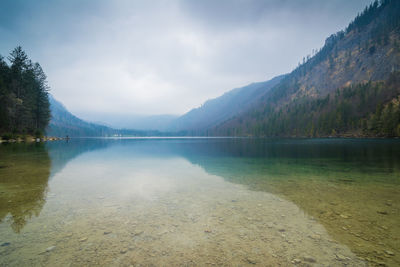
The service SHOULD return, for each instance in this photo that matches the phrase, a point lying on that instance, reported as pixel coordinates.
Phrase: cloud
(165, 57)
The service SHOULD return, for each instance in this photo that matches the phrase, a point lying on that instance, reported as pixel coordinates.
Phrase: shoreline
(31, 139)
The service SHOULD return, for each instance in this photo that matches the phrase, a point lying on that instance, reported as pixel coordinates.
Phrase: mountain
(217, 110)
(63, 123)
(138, 122)
(146, 122)
(350, 87)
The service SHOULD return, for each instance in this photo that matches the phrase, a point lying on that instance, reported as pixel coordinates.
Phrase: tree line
(24, 102)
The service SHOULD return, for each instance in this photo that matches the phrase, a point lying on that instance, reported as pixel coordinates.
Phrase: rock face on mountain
(351, 86)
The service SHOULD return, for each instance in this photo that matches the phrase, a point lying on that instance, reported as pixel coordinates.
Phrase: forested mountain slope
(63, 123)
(348, 87)
(219, 109)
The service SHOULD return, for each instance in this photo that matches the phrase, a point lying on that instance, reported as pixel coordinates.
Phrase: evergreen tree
(24, 99)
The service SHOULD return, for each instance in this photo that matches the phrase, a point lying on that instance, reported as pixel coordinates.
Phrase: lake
(200, 202)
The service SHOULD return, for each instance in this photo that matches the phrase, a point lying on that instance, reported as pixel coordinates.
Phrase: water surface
(200, 202)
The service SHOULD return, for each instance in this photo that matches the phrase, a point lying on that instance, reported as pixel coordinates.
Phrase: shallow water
(323, 202)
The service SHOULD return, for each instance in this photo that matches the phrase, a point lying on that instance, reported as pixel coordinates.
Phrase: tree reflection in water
(24, 175)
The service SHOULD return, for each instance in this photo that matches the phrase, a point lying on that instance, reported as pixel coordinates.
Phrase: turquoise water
(200, 202)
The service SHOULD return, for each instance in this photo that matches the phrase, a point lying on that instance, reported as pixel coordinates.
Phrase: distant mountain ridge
(217, 110)
(63, 123)
(138, 122)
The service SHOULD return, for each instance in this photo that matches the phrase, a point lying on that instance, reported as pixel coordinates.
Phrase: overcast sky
(164, 57)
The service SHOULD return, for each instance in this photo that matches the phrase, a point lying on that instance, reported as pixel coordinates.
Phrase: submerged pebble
(309, 259)
(251, 260)
(296, 261)
(340, 257)
(315, 236)
(50, 248)
(390, 253)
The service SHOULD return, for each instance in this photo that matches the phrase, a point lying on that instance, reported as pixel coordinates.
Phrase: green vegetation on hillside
(24, 103)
